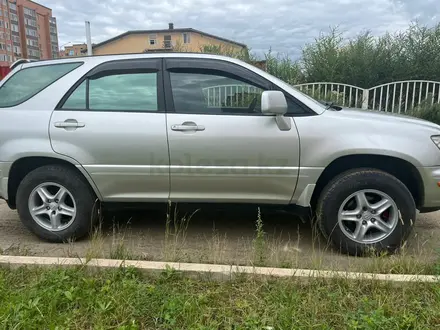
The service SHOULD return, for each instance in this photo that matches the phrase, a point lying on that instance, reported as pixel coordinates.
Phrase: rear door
(113, 123)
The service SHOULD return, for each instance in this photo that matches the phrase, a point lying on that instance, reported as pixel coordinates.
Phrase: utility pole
(89, 39)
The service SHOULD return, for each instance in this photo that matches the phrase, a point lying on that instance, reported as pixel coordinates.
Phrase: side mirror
(275, 103)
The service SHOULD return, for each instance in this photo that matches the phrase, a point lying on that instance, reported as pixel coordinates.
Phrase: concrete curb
(222, 271)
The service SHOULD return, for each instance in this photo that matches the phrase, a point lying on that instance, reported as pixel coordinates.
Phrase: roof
(39, 4)
(103, 58)
(183, 30)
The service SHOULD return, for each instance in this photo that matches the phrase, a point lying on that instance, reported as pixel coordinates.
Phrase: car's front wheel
(56, 203)
(366, 210)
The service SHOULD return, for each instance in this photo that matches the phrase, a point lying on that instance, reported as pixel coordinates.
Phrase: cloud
(282, 25)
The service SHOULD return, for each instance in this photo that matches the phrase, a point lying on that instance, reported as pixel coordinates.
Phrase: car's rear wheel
(366, 211)
(56, 203)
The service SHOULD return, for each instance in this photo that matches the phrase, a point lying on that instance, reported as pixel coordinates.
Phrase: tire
(332, 210)
(79, 197)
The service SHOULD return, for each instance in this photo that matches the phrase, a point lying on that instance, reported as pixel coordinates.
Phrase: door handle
(188, 127)
(69, 123)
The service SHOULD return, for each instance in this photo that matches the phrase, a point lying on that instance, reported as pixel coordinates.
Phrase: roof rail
(20, 61)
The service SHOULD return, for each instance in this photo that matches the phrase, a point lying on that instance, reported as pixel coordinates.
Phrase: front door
(222, 149)
(113, 124)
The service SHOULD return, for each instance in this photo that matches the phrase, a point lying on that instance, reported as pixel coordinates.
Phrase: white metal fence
(392, 97)
(237, 96)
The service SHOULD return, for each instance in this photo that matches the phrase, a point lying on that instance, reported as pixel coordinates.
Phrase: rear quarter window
(28, 82)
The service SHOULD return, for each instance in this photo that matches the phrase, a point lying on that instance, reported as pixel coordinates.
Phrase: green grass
(124, 299)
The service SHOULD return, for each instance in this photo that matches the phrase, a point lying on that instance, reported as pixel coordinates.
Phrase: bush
(427, 112)
(368, 61)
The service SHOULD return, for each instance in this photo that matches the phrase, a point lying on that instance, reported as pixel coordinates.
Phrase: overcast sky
(283, 25)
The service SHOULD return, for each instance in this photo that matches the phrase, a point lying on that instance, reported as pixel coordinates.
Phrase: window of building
(31, 22)
(2, 35)
(1, 23)
(120, 92)
(17, 50)
(7, 25)
(2, 46)
(53, 30)
(29, 12)
(10, 58)
(28, 82)
(71, 52)
(31, 32)
(12, 6)
(153, 39)
(5, 13)
(31, 42)
(8, 36)
(1, 12)
(16, 39)
(53, 38)
(3, 58)
(34, 53)
(167, 41)
(14, 27)
(186, 38)
(8, 47)
(4, 2)
(14, 17)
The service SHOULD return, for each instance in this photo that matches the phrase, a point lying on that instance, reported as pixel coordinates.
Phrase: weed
(176, 228)
(118, 249)
(96, 243)
(259, 242)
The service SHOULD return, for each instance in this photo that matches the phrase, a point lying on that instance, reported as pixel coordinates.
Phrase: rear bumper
(431, 177)
(4, 172)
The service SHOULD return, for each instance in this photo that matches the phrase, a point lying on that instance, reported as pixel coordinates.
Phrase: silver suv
(203, 128)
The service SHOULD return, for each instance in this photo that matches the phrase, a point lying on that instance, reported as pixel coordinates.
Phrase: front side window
(118, 92)
(28, 82)
(215, 93)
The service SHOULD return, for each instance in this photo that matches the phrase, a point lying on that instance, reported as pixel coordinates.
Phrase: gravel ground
(219, 236)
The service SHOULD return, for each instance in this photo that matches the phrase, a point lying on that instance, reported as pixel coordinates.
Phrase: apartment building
(27, 30)
(171, 39)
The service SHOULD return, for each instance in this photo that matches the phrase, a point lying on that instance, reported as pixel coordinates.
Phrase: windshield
(309, 97)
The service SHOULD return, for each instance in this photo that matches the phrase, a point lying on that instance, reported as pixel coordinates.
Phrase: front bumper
(4, 172)
(431, 177)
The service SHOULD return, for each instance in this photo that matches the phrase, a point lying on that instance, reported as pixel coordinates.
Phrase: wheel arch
(21, 167)
(403, 170)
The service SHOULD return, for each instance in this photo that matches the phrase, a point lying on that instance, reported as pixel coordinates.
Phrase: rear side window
(28, 82)
(116, 92)
(124, 92)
